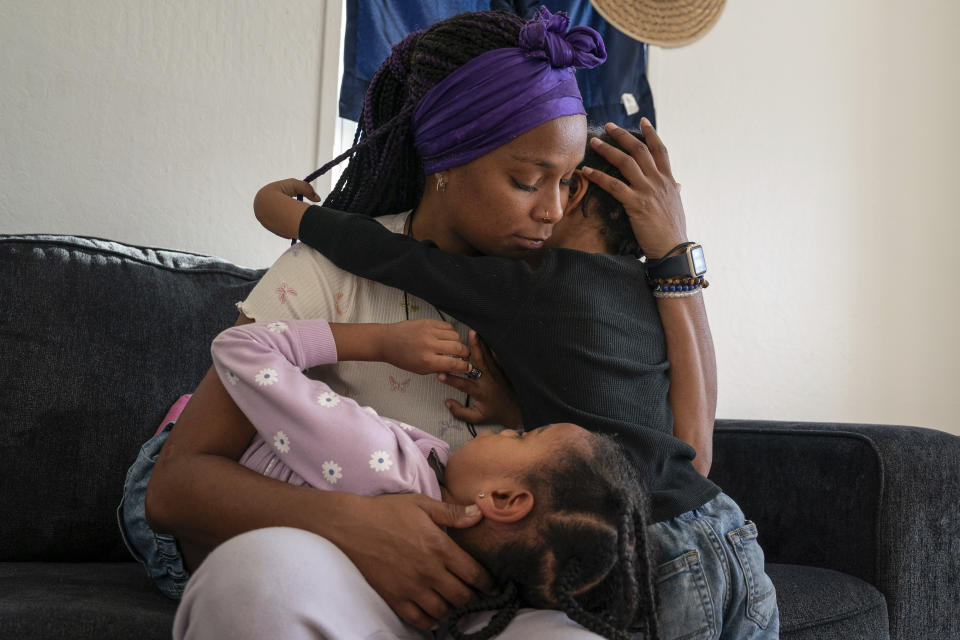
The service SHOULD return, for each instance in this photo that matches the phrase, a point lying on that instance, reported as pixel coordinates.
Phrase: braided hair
(617, 232)
(385, 174)
(590, 557)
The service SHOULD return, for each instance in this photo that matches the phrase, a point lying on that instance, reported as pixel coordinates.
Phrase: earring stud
(481, 495)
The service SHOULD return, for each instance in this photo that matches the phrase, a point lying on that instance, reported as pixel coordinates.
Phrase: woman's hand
(652, 197)
(397, 544)
(277, 211)
(492, 398)
(423, 346)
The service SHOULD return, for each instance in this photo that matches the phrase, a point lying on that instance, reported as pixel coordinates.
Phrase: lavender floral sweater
(306, 433)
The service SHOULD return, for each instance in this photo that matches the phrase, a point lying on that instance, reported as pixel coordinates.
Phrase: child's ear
(507, 505)
(578, 188)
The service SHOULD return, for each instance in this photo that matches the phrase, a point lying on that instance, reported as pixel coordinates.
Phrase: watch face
(699, 262)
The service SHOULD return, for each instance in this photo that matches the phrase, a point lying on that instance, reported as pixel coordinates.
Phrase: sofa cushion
(825, 516)
(89, 600)
(821, 604)
(97, 339)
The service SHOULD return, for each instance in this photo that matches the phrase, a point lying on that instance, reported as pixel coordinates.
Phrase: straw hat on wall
(667, 23)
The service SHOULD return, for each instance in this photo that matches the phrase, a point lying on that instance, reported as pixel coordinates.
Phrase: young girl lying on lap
(563, 511)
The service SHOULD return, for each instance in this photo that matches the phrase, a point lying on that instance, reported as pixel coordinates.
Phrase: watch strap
(681, 264)
(670, 267)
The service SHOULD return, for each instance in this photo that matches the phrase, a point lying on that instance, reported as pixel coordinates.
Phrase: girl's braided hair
(617, 232)
(590, 557)
(385, 174)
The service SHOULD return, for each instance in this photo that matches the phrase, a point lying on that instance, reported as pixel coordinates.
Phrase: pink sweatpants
(291, 584)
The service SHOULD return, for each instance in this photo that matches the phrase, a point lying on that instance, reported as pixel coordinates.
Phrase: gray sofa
(861, 523)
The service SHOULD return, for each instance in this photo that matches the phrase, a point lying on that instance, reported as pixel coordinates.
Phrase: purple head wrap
(503, 93)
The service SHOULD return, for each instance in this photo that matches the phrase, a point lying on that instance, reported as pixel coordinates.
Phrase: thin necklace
(408, 231)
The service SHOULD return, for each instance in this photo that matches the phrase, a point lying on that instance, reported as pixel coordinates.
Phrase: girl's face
(496, 460)
(506, 202)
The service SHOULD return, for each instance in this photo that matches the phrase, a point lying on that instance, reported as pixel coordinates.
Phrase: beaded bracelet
(677, 294)
(678, 284)
(677, 287)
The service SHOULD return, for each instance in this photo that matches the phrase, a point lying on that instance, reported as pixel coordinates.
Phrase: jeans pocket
(761, 595)
(685, 610)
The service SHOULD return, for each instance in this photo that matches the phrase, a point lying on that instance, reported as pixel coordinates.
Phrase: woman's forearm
(693, 374)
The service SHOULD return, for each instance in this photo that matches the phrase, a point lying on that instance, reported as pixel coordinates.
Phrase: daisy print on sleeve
(266, 377)
(277, 327)
(380, 461)
(328, 399)
(281, 442)
(332, 472)
(308, 440)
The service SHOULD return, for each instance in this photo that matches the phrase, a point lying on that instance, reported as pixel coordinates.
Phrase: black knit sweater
(578, 335)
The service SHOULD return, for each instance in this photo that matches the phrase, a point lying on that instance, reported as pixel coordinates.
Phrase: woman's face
(506, 202)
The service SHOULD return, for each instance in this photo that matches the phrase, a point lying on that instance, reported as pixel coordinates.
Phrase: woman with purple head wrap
(470, 137)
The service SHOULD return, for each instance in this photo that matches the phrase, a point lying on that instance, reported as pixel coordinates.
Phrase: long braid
(566, 586)
(506, 605)
(384, 174)
(647, 601)
(626, 543)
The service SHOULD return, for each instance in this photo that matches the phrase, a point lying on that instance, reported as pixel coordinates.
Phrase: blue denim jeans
(710, 577)
(157, 552)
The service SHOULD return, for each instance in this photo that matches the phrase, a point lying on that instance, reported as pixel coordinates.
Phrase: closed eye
(525, 187)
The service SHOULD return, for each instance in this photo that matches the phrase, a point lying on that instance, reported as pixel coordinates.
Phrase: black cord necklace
(408, 231)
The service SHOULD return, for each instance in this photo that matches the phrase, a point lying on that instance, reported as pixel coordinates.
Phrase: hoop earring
(441, 184)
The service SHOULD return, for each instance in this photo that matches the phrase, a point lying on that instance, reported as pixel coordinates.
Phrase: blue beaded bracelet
(677, 287)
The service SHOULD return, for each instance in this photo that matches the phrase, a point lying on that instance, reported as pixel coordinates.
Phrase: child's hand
(424, 346)
(277, 211)
(492, 399)
(652, 197)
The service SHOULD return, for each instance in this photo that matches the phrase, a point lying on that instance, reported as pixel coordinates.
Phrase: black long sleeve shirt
(578, 335)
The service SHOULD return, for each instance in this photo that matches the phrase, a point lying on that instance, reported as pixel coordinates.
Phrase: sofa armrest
(878, 502)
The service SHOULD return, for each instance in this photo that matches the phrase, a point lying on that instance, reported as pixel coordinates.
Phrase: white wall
(815, 141)
(817, 144)
(156, 122)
